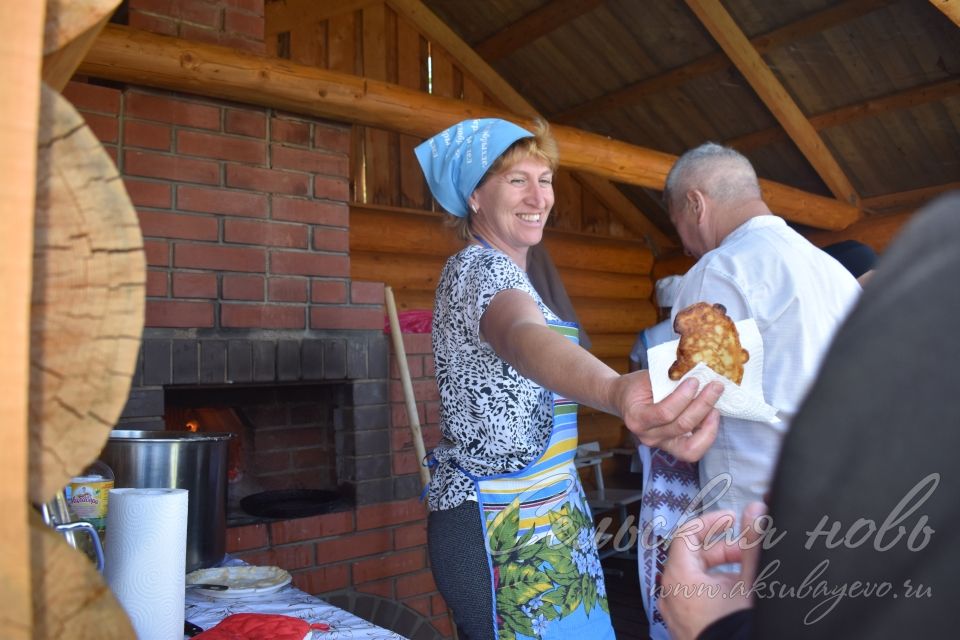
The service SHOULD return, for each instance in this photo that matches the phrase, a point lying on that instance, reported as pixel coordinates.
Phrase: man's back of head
(721, 173)
(710, 191)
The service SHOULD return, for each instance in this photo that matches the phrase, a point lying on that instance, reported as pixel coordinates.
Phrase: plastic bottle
(88, 498)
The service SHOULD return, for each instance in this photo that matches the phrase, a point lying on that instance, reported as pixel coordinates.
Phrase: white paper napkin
(738, 401)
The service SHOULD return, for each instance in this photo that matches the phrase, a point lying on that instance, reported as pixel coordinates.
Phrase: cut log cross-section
(70, 29)
(89, 281)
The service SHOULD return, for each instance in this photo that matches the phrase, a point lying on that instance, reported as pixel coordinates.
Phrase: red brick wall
(420, 364)
(246, 225)
(244, 211)
(231, 23)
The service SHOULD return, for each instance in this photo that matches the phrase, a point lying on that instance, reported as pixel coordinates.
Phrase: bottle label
(88, 498)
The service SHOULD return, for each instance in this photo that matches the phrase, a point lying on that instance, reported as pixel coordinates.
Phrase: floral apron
(541, 550)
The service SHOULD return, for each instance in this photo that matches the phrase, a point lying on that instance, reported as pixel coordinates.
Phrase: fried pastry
(708, 335)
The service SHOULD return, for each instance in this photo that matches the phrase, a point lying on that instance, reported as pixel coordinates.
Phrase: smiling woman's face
(512, 207)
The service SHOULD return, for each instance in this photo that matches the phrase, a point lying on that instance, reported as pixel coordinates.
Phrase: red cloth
(411, 321)
(261, 626)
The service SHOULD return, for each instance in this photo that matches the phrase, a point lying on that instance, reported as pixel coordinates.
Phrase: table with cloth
(206, 611)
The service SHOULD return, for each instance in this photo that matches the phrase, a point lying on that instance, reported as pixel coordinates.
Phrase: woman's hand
(684, 424)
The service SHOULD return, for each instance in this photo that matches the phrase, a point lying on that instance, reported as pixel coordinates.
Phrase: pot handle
(68, 529)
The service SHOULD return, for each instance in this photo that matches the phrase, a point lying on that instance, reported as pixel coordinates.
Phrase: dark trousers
(461, 569)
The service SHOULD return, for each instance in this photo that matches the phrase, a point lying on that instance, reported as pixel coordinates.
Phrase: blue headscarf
(454, 160)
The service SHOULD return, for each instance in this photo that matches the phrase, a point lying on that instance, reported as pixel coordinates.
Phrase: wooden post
(401, 354)
(20, 55)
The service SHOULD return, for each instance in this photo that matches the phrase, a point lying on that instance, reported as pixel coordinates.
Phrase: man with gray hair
(757, 267)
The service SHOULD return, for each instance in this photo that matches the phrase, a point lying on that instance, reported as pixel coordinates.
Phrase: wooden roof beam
(746, 58)
(129, 55)
(950, 8)
(535, 24)
(631, 94)
(924, 94)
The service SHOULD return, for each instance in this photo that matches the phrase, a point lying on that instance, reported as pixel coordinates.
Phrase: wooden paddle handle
(411, 402)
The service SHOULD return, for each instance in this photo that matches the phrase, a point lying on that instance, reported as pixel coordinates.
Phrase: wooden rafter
(535, 24)
(907, 200)
(950, 8)
(933, 92)
(746, 58)
(876, 231)
(820, 21)
(880, 229)
(131, 55)
(437, 31)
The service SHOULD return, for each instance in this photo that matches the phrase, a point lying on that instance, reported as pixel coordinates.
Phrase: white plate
(242, 581)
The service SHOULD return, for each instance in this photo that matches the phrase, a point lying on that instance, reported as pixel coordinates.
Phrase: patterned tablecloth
(206, 611)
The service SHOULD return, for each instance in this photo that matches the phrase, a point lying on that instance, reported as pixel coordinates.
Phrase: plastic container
(88, 499)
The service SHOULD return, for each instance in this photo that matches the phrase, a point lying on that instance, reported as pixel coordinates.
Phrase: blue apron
(539, 533)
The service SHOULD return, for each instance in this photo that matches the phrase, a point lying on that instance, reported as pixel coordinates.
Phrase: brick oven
(252, 315)
(250, 306)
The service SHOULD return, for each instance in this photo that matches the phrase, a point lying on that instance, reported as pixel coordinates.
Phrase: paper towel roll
(146, 557)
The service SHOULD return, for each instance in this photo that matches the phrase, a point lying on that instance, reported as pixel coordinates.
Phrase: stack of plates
(240, 581)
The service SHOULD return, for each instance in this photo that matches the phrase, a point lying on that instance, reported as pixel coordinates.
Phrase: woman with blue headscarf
(510, 535)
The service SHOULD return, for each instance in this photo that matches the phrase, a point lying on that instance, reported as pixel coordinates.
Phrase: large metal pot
(184, 460)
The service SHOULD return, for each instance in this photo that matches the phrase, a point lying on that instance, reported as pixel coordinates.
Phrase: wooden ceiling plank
(132, 55)
(820, 21)
(907, 99)
(736, 45)
(535, 24)
(950, 8)
(637, 91)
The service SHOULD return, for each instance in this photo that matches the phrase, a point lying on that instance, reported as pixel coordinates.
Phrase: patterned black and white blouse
(493, 420)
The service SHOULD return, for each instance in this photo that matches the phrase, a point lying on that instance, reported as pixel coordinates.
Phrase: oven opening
(282, 461)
